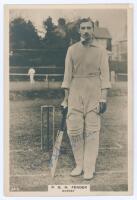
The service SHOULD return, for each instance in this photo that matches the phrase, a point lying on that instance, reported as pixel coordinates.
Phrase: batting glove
(102, 107)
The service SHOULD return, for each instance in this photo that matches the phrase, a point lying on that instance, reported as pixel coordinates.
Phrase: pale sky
(115, 20)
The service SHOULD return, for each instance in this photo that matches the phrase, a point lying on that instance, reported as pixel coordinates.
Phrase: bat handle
(64, 115)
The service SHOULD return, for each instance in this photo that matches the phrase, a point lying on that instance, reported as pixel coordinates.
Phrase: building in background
(102, 36)
(119, 51)
(119, 48)
(119, 56)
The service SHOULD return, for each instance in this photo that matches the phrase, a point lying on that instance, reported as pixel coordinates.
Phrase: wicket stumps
(46, 118)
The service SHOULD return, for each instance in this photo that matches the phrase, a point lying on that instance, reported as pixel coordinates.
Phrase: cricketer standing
(86, 82)
(31, 73)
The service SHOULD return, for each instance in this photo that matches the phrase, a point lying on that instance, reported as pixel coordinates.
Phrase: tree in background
(56, 36)
(45, 51)
(23, 35)
(61, 34)
(50, 50)
(49, 38)
(73, 33)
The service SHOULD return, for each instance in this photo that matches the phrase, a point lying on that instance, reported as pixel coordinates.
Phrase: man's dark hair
(86, 20)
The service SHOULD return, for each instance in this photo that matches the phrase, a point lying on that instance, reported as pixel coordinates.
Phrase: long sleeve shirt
(86, 62)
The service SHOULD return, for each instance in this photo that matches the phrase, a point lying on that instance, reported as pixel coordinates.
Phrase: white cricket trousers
(83, 131)
(32, 78)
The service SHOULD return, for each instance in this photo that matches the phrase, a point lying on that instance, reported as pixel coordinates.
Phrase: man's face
(86, 30)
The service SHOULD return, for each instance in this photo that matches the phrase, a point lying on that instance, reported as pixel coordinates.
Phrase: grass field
(29, 165)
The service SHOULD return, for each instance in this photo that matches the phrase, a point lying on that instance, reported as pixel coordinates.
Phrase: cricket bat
(58, 141)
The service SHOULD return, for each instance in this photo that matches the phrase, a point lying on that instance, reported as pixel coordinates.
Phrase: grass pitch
(29, 165)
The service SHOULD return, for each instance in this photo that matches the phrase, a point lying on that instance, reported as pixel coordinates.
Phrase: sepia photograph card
(50, 50)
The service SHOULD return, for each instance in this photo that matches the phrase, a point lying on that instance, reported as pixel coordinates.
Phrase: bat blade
(56, 152)
(58, 141)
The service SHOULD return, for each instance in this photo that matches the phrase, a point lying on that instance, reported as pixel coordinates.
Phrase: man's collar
(92, 44)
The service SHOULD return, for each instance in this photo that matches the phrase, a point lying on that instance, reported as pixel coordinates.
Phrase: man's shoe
(88, 176)
(76, 171)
